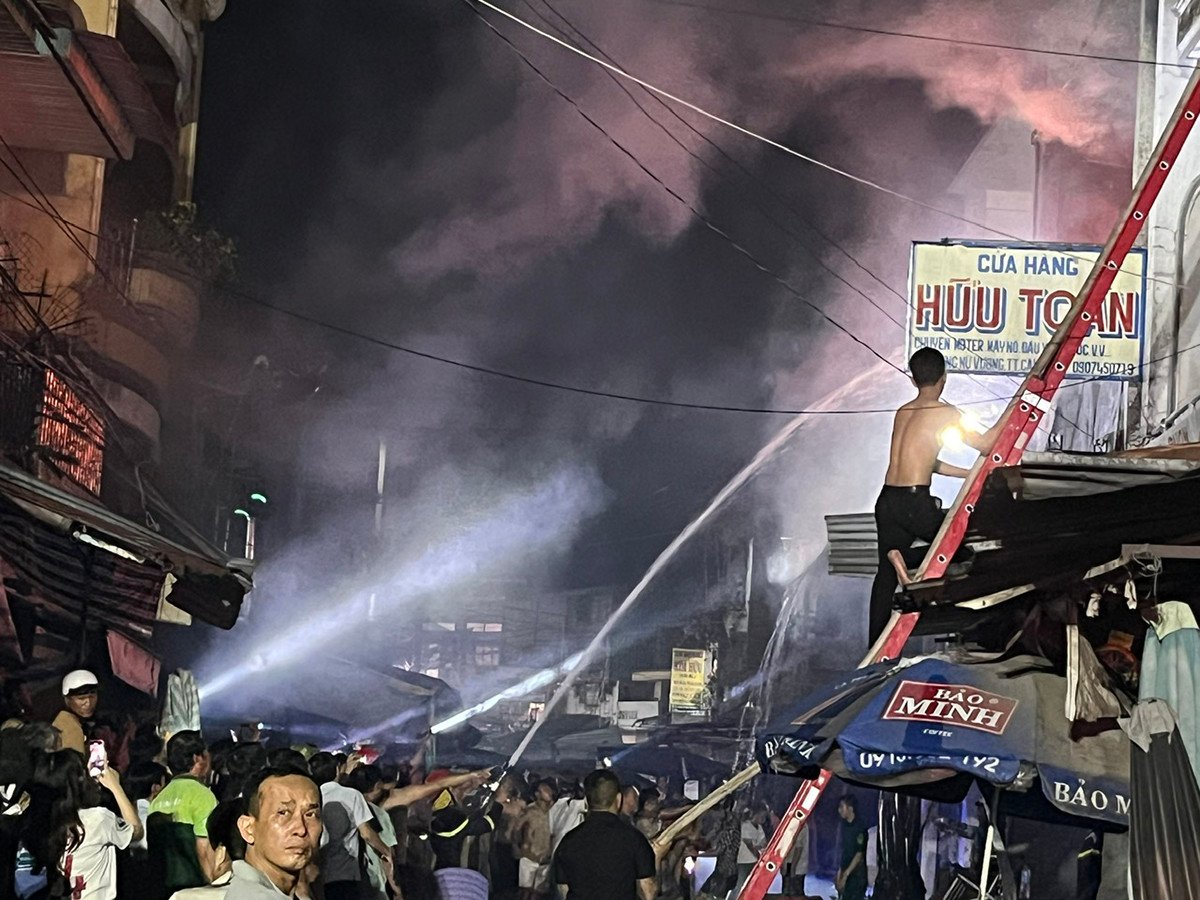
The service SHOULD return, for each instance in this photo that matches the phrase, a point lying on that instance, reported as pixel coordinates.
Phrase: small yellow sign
(689, 681)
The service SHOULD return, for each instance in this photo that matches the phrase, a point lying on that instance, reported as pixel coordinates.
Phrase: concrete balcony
(165, 295)
(134, 337)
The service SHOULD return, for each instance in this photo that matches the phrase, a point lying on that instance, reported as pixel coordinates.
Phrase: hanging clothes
(1171, 671)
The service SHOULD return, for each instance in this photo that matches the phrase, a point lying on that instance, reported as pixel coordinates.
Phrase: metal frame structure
(1017, 425)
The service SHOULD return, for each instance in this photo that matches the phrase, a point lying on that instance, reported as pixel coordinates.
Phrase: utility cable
(704, 219)
(485, 370)
(918, 36)
(690, 206)
(754, 179)
(40, 197)
(741, 129)
(766, 213)
(375, 340)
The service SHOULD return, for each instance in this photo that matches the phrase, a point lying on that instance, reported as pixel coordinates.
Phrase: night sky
(397, 169)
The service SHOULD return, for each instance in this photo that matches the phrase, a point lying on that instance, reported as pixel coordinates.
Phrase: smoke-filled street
(527, 449)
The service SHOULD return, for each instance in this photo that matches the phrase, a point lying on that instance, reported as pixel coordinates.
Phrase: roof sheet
(1048, 522)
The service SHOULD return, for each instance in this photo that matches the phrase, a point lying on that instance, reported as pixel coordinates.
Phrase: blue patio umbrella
(915, 723)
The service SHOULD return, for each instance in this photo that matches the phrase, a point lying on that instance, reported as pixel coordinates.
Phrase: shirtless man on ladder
(906, 511)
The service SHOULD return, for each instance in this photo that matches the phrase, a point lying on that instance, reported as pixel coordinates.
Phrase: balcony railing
(114, 258)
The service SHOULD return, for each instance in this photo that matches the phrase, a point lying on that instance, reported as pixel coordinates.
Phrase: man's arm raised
(972, 437)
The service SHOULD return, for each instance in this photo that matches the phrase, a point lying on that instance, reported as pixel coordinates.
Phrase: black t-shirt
(854, 841)
(603, 859)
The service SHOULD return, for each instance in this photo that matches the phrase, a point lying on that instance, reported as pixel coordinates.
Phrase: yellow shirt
(68, 726)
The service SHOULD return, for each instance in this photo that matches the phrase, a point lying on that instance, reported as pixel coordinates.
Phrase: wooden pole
(663, 842)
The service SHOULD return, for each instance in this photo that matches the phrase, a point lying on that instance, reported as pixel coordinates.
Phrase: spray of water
(518, 690)
(741, 478)
(530, 518)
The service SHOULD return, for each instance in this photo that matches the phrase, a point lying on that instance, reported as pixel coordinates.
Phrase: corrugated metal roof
(1044, 475)
(1047, 523)
(122, 78)
(1065, 519)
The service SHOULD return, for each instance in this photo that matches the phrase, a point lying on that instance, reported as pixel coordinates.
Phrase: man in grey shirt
(282, 829)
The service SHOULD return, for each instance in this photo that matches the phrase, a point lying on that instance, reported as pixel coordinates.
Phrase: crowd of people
(88, 813)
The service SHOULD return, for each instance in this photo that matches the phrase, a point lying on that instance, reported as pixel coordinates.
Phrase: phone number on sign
(1090, 367)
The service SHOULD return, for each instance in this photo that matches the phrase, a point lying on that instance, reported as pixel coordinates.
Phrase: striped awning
(68, 564)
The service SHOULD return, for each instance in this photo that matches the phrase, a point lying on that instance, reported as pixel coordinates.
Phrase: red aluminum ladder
(1020, 420)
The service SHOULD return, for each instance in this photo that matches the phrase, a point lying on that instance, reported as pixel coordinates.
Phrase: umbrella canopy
(587, 745)
(920, 721)
(651, 758)
(367, 703)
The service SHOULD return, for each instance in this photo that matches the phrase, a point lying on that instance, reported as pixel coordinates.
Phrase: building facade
(98, 118)
(1171, 406)
(101, 275)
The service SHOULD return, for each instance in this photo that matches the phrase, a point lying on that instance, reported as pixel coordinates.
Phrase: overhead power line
(918, 36)
(747, 174)
(375, 340)
(48, 209)
(750, 176)
(741, 129)
(701, 217)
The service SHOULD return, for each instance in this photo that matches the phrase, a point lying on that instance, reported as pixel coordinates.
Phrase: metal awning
(1046, 475)
(72, 560)
(1049, 525)
(1054, 520)
(70, 91)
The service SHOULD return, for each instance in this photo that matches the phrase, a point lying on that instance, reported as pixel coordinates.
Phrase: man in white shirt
(347, 820)
(567, 814)
(753, 841)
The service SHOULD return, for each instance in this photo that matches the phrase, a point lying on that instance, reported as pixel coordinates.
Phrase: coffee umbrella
(918, 724)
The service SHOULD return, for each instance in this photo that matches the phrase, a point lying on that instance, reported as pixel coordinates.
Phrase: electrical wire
(704, 219)
(766, 214)
(918, 36)
(41, 198)
(497, 373)
(26, 202)
(741, 129)
(67, 368)
(63, 223)
(261, 302)
(754, 179)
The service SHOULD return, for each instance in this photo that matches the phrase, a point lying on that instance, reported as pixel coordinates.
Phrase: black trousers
(902, 515)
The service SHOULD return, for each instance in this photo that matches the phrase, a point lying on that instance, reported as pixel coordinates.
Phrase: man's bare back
(916, 441)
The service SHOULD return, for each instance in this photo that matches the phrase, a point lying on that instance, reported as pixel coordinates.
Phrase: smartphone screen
(97, 758)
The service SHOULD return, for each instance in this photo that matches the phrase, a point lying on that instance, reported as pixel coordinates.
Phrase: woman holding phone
(70, 834)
